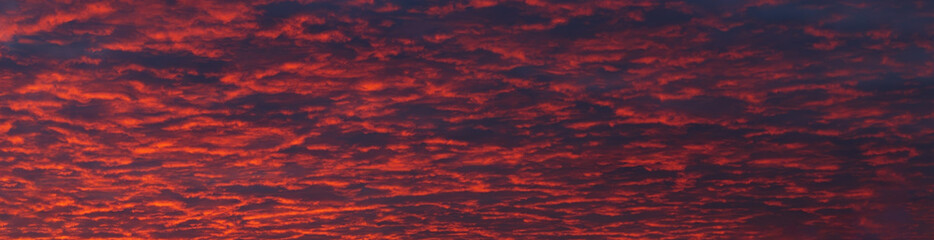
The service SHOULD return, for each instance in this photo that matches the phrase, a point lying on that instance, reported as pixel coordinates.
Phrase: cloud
(535, 119)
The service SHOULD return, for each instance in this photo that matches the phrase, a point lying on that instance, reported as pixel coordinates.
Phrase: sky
(466, 119)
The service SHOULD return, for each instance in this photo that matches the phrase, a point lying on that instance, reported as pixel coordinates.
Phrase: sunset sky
(466, 119)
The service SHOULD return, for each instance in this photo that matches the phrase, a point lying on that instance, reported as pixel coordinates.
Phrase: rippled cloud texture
(484, 119)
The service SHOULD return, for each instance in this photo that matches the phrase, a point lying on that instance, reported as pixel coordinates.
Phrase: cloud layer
(483, 119)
